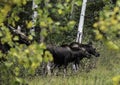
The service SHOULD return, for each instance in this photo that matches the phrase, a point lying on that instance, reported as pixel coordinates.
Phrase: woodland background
(22, 40)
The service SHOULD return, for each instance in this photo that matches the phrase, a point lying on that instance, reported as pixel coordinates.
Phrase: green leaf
(43, 24)
(16, 18)
(16, 71)
(112, 45)
(8, 64)
(1, 34)
(60, 11)
(16, 38)
(30, 24)
(57, 23)
(30, 37)
(44, 32)
(78, 3)
(24, 2)
(18, 80)
(60, 6)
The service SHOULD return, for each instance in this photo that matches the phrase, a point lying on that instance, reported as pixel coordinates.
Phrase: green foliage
(92, 12)
(107, 27)
(48, 57)
(21, 57)
(16, 22)
(116, 80)
(56, 22)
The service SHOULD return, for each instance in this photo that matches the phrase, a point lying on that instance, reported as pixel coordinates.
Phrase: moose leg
(65, 72)
(74, 68)
(65, 69)
(48, 68)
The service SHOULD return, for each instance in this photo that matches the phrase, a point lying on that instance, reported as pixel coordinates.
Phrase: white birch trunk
(34, 16)
(81, 22)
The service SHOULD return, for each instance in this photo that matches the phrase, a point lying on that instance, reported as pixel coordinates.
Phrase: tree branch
(18, 31)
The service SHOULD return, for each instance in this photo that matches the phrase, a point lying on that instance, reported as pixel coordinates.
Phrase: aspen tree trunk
(81, 22)
(34, 18)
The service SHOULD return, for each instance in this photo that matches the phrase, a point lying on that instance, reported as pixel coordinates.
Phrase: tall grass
(107, 66)
(95, 77)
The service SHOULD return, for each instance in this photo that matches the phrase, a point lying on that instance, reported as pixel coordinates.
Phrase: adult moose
(63, 55)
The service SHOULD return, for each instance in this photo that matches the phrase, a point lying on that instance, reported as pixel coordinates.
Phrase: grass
(94, 77)
(108, 66)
